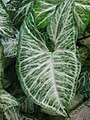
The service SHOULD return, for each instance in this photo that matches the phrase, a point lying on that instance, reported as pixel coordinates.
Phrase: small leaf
(6, 28)
(6, 101)
(82, 14)
(14, 114)
(83, 86)
(10, 45)
(27, 106)
(23, 7)
(47, 77)
(83, 52)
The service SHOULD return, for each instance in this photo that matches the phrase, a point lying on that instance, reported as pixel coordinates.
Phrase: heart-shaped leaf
(48, 77)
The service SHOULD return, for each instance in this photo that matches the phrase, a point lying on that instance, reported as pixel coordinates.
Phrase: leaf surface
(6, 101)
(47, 77)
(22, 9)
(82, 14)
(6, 28)
(14, 114)
(10, 45)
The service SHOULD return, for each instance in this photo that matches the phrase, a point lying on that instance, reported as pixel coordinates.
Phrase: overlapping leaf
(84, 53)
(6, 28)
(49, 77)
(82, 14)
(10, 45)
(84, 83)
(27, 106)
(14, 114)
(6, 101)
(22, 9)
(43, 11)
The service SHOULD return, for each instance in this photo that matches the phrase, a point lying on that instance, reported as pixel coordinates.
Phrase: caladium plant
(50, 69)
(48, 77)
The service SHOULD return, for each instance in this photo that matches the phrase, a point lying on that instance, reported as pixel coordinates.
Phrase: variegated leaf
(10, 45)
(6, 28)
(48, 77)
(27, 106)
(43, 11)
(1, 65)
(82, 14)
(14, 114)
(83, 86)
(22, 9)
(6, 101)
(84, 53)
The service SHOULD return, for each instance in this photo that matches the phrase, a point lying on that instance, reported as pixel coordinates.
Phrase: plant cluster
(44, 59)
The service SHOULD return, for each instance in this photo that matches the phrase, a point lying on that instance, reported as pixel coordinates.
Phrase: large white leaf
(48, 78)
(6, 28)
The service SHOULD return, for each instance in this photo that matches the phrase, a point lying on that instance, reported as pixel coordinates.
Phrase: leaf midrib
(53, 77)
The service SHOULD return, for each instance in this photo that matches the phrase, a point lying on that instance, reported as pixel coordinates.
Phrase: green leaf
(6, 101)
(43, 11)
(84, 53)
(82, 14)
(83, 86)
(14, 114)
(48, 78)
(6, 28)
(10, 45)
(27, 106)
(21, 11)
